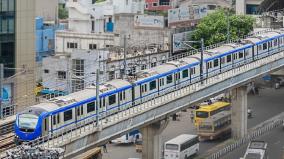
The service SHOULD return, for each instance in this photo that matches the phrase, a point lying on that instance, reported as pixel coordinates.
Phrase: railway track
(7, 142)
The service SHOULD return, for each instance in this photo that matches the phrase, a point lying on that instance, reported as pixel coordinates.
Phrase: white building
(75, 71)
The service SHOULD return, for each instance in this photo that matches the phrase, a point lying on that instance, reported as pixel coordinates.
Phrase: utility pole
(201, 60)
(124, 60)
(97, 96)
(1, 88)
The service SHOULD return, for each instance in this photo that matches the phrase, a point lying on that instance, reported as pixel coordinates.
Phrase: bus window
(171, 147)
(202, 114)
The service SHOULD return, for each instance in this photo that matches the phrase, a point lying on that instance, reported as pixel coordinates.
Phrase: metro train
(65, 112)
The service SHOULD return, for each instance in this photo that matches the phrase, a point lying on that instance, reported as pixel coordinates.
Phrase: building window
(146, 5)
(153, 85)
(91, 107)
(71, 45)
(61, 75)
(153, 64)
(143, 67)
(92, 46)
(77, 85)
(68, 115)
(78, 67)
(46, 71)
(93, 1)
(93, 26)
(155, 4)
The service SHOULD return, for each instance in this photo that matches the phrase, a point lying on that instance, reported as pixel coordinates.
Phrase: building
(247, 6)
(75, 71)
(102, 25)
(45, 37)
(159, 5)
(17, 50)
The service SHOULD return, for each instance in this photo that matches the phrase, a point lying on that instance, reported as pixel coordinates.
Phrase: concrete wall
(83, 40)
(47, 9)
(25, 53)
(139, 36)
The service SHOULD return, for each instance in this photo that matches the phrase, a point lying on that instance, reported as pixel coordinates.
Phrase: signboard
(178, 15)
(6, 93)
(178, 38)
(149, 21)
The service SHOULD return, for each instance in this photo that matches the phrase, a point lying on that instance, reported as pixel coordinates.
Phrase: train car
(216, 126)
(65, 112)
(117, 95)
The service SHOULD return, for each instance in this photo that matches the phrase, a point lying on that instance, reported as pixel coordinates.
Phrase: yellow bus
(209, 110)
(216, 126)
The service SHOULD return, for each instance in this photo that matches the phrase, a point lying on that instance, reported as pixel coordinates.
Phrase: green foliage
(213, 28)
(62, 12)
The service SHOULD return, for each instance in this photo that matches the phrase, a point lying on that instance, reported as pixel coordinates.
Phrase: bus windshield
(172, 147)
(202, 114)
(28, 121)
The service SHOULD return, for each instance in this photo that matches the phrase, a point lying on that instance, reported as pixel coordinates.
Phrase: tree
(62, 12)
(213, 28)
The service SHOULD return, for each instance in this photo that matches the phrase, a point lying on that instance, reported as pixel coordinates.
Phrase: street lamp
(201, 42)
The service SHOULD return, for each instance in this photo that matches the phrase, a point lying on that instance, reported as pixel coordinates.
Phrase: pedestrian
(175, 117)
(191, 116)
(105, 148)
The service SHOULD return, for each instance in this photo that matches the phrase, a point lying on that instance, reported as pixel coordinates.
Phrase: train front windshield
(27, 122)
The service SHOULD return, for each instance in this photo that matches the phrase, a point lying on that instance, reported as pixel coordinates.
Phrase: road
(264, 106)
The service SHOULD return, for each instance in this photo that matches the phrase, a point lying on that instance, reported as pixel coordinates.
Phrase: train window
(169, 79)
(235, 56)
(153, 85)
(185, 73)
(104, 102)
(123, 95)
(177, 76)
(112, 99)
(82, 110)
(216, 62)
(209, 65)
(120, 96)
(91, 107)
(229, 58)
(241, 55)
(68, 115)
(264, 46)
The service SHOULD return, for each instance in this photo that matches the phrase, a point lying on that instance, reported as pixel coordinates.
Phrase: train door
(45, 126)
(177, 79)
(55, 120)
(79, 113)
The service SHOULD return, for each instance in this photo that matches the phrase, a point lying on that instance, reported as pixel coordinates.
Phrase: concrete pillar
(239, 112)
(240, 7)
(152, 143)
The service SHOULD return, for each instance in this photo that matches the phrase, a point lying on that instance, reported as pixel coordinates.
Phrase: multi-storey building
(247, 6)
(17, 50)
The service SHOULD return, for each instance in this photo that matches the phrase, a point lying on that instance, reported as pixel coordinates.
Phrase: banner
(149, 21)
(6, 93)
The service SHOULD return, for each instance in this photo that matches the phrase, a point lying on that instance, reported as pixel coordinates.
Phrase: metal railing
(61, 137)
(7, 110)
